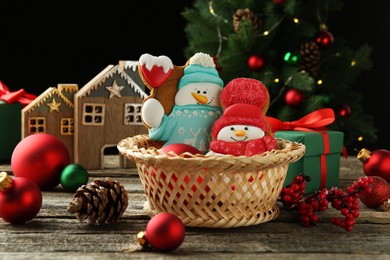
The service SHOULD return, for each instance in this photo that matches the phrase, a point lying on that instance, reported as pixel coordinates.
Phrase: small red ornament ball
(325, 39)
(20, 199)
(375, 163)
(294, 97)
(217, 66)
(256, 62)
(377, 195)
(278, 2)
(165, 232)
(344, 110)
(179, 149)
(40, 158)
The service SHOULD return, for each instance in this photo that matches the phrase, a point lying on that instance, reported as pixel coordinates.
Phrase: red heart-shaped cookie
(156, 70)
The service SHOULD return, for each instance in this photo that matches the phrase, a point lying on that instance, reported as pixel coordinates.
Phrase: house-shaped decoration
(93, 119)
(108, 109)
(52, 113)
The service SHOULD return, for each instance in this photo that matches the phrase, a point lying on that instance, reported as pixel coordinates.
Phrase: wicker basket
(212, 191)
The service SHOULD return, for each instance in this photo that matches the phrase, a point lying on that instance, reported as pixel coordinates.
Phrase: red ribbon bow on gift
(20, 95)
(314, 121)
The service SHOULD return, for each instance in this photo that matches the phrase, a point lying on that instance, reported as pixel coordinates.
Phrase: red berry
(287, 198)
(348, 228)
(350, 190)
(314, 219)
(298, 178)
(335, 221)
(295, 187)
(344, 211)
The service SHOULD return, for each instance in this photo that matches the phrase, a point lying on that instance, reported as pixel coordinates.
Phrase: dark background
(43, 44)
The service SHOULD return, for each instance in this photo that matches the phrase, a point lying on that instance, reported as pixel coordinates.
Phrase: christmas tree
(288, 46)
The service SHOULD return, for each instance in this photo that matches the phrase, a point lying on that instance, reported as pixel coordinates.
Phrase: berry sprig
(292, 196)
(293, 193)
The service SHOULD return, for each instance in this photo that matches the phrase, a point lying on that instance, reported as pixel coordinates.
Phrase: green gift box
(321, 160)
(10, 129)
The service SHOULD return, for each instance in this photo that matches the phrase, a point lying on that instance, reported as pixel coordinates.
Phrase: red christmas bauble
(294, 97)
(217, 66)
(375, 163)
(325, 39)
(344, 110)
(20, 199)
(41, 158)
(378, 194)
(179, 149)
(165, 232)
(256, 62)
(278, 2)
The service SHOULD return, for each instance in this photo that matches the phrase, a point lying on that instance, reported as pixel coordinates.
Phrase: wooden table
(56, 234)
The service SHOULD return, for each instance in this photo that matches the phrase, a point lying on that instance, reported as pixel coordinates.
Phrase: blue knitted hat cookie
(201, 68)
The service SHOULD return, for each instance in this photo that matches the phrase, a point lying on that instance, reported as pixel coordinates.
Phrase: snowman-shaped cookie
(196, 107)
(242, 128)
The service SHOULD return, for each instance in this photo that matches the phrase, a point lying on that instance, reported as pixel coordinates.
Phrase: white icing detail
(178, 113)
(152, 112)
(192, 141)
(227, 133)
(202, 59)
(162, 61)
(134, 85)
(131, 64)
(180, 131)
(211, 90)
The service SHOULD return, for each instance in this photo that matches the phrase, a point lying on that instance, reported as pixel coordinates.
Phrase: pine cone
(310, 58)
(102, 201)
(241, 14)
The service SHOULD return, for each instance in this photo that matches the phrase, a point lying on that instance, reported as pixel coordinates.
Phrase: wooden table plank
(56, 234)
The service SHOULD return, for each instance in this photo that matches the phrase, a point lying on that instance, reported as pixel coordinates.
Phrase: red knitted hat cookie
(244, 90)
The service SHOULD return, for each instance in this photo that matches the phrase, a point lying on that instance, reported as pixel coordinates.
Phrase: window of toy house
(67, 126)
(93, 114)
(133, 114)
(36, 125)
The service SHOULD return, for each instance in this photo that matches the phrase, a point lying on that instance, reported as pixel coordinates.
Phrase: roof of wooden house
(127, 70)
(64, 91)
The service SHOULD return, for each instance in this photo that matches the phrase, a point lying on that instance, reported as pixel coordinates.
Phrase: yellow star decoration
(115, 90)
(54, 105)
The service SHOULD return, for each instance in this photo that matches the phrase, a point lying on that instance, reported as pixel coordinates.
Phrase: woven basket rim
(140, 148)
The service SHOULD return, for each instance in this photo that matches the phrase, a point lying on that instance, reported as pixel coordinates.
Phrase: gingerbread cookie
(196, 104)
(242, 128)
(161, 77)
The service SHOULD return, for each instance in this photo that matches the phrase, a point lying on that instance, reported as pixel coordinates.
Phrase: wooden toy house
(52, 112)
(107, 110)
(92, 120)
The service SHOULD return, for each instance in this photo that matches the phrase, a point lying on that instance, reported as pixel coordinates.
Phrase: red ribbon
(325, 138)
(315, 121)
(20, 95)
